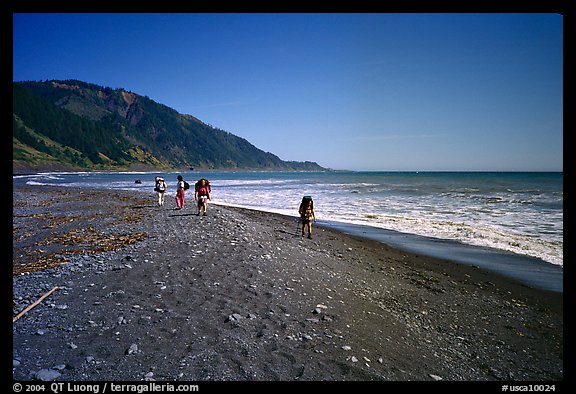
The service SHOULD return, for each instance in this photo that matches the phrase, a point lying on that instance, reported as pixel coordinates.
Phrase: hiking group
(202, 192)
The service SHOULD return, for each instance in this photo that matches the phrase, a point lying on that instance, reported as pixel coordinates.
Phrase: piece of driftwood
(35, 303)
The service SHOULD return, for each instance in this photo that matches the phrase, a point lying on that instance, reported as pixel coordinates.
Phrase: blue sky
(349, 91)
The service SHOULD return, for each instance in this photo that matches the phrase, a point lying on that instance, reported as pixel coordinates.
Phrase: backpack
(157, 187)
(305, 212)
(186, 185)
(207, 186)
(160, 186)
(307, 199)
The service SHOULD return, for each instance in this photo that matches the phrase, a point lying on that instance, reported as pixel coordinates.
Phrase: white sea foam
(498, 219)
(487, 236)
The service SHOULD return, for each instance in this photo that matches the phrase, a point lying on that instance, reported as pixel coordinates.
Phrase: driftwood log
(35, 303)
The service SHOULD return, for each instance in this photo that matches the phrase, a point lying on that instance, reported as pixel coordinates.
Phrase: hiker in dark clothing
(306, 212)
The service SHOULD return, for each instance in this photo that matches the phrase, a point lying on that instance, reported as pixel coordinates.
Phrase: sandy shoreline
(150, 293)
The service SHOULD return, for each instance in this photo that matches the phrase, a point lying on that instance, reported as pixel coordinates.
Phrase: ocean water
(512, 212)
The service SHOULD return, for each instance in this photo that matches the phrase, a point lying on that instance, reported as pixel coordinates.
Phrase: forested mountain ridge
(75, 125)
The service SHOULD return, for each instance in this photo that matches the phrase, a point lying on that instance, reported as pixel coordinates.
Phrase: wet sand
(152, 293)
(530, 271)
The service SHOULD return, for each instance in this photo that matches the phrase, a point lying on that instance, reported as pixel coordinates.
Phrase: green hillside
(74, 125)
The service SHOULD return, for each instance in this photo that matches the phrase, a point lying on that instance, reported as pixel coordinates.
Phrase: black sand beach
(151, 293)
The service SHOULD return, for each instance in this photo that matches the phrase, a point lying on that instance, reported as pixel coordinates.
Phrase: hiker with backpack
(306, 211)
(182, 185)
(160, 188)
(202, 195)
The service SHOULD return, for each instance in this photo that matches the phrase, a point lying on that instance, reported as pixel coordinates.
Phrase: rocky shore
(152, 293)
